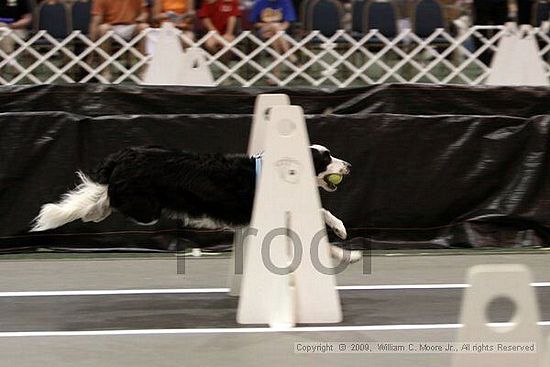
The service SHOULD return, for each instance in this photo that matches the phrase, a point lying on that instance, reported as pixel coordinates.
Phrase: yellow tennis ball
(334, 178)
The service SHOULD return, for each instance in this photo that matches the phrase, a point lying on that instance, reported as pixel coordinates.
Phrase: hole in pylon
(500, 310)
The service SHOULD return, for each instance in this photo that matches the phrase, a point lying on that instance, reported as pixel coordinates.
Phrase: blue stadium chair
(53, 18)
(381, 15)
(357, 9)
(325, 16)
(427, 16)
(541, 12)
(81, 15)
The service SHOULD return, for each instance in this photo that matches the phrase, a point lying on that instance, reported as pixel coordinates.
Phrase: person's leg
(102, 30)
(284, 46)
(9, 45)
(211, 44)
(105, 46)
(136, 30)
(22, 34)
(6, 43)
(278, 47)
(188, 38)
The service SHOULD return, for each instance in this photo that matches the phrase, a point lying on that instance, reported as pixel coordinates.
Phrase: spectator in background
(179, 12)
(220, 16)
(270, 17)
(126, 18)
(15, 15)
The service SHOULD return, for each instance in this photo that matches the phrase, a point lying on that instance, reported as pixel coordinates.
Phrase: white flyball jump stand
(171, 65)
(487, 283)
(517, 61)
(286, 202)
(262, 109)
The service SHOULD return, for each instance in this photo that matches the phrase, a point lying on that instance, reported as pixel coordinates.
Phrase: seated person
(220, 16)
(179, 12)
(126, 18)
(270, 17)
(15, 15)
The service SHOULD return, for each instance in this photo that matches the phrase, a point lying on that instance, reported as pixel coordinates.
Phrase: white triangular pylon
(517, 61)
(487, 283)
(262, 108)
(196, 71)
(287, 206)
(171, 65)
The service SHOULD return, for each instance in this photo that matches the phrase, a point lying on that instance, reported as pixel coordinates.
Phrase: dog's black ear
(314, 152)
(317, 161)
(321, 159)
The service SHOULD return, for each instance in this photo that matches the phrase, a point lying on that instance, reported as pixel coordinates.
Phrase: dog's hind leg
(143, 209)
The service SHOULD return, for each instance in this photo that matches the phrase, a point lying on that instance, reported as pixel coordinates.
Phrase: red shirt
(219, 11)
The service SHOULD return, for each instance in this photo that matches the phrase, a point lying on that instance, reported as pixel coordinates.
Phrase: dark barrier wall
(421, 179)
(411, 99)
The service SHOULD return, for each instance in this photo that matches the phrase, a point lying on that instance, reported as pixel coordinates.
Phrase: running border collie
(205, 190)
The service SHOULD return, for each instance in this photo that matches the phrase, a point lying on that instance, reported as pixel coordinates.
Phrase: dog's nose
(347, 167)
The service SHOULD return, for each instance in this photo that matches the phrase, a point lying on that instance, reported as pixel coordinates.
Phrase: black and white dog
(205, 190)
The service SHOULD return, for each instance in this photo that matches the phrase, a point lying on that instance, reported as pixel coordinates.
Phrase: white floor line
(17, 334)
(108, 292)
(227, 330)
(400, 287)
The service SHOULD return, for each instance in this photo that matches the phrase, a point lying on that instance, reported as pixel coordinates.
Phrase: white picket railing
(340, 60)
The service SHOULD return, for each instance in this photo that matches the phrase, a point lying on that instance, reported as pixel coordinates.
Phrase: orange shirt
(118, 11)
(177, 6)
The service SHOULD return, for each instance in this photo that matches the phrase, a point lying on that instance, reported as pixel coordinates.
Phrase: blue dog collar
(258, 161)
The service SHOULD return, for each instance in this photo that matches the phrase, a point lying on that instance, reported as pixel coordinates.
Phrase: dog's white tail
(89, 201)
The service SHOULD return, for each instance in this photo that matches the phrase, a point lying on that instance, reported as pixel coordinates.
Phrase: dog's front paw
(340, 230)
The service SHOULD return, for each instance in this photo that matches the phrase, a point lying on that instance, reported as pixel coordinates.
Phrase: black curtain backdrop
(433, 166)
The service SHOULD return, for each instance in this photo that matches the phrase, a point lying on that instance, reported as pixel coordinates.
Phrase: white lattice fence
(340, 60)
